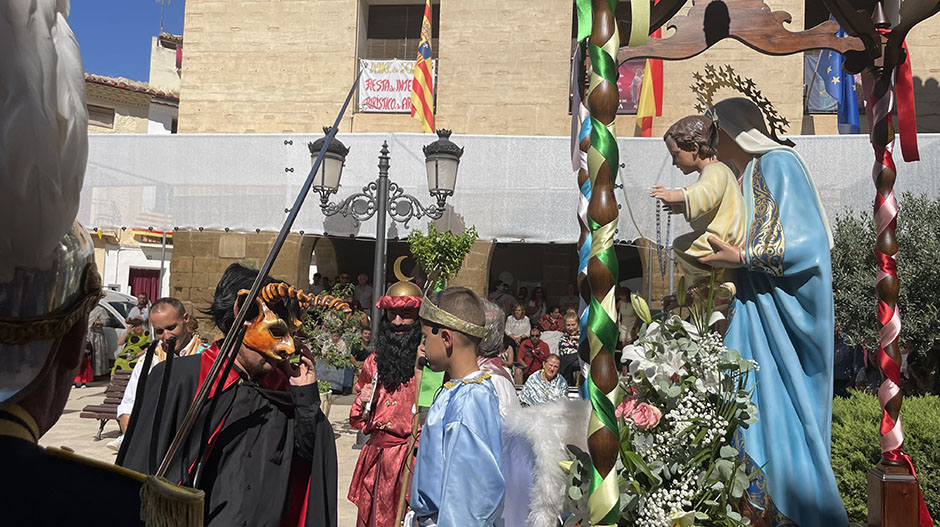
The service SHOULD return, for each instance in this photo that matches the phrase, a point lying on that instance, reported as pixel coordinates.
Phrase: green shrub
(855, 447)
(853, 287)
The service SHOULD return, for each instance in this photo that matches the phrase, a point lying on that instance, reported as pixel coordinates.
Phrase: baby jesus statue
(713, 205)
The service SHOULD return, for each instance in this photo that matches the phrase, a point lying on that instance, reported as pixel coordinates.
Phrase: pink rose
(646, 416)
(626, 407)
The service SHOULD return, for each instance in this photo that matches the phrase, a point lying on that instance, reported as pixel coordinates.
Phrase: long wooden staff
(228, 350)
(409, 470)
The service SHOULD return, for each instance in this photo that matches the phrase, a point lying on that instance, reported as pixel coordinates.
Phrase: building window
(393, 31)
(100, 116)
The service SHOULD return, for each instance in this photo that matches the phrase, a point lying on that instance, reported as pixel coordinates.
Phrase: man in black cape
(262, 450)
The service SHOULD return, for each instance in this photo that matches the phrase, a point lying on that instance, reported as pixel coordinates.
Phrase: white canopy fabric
(511, 188)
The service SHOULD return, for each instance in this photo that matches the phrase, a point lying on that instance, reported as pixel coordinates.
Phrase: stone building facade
(255, 66)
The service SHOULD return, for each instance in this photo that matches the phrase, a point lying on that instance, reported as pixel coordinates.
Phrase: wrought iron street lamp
(442, 158)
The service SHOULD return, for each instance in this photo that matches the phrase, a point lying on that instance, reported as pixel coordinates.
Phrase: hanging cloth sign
(385, 85)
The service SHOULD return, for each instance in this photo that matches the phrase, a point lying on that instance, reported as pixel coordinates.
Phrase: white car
(118, 305)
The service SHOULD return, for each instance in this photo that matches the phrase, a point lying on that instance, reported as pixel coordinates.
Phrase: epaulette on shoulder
(162, 503)
(69, 455)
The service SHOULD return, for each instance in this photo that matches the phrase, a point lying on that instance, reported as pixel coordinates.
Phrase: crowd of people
(536, 328)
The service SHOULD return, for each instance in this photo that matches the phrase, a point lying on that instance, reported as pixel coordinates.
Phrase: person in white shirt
(518, 325)
(364, 291)
(141, 310)
(169, 319)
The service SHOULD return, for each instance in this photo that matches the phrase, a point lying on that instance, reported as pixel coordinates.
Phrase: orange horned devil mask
(280, 312)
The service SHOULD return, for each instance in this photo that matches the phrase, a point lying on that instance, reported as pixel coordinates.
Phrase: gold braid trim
(435, 314)
(476, 380)
(18, 331)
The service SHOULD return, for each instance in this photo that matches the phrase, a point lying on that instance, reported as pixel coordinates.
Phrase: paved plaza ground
(78, 434)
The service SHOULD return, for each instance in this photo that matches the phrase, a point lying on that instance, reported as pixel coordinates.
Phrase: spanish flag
(651, 93)
(422, 87)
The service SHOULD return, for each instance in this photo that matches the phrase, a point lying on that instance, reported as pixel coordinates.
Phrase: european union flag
(841, 87)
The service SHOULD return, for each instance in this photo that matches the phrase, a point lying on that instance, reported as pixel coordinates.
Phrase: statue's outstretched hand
(726, 256)
(673, 201)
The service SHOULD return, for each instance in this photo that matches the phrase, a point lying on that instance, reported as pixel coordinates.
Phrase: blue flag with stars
(841, 87)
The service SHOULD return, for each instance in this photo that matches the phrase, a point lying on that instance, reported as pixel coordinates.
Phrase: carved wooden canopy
(754, 24)
(749, 21)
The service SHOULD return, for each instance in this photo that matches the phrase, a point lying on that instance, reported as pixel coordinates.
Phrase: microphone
(422, 362)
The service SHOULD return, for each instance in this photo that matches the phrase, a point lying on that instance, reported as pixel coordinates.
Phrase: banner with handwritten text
(385, 85)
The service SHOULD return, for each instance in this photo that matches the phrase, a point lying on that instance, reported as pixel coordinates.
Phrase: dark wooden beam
(753, 24)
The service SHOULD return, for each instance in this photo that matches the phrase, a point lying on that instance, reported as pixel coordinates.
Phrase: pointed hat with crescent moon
(404, 294)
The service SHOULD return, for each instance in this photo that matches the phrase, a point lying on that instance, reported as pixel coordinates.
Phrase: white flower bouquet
(684, 399)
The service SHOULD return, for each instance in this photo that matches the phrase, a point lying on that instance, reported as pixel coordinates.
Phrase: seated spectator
(552, 321)
(363, 290)
(532, 353)
(316, 287)
(546, 386)
(568, 348)
(537, 306)
(502, 297)
(517, 326)
(134, 340)
(362, 314)
(570, 300)
(363, 349)
(523, 295)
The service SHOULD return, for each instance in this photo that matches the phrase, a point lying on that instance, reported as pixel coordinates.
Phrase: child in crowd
(713, 205)
(460, 451)
(568, 348)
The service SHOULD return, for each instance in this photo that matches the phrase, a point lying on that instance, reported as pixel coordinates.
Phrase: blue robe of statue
(458, 476)
(783, 319)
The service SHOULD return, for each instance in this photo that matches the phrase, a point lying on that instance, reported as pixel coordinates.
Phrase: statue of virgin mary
(782, 318)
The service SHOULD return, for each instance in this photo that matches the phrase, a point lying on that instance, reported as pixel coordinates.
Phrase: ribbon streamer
(584, 18)
(639, 22)
(907, 115)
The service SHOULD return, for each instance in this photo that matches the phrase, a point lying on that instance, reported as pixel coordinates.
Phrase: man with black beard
(384, 407)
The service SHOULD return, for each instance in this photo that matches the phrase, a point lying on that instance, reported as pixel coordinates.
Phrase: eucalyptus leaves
(685, 397)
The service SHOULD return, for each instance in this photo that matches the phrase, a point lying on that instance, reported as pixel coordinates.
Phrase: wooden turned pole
(602, 273)
(892, 490)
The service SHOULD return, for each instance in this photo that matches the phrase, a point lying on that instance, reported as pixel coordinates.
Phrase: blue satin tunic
(458, 474)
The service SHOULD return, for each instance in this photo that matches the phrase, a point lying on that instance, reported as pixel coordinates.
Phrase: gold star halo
(707, 85)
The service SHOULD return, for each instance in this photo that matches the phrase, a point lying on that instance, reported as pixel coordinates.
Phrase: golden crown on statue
(714, 79)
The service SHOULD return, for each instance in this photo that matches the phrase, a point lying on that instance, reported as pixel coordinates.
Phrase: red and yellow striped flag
(651, 93)
(422, 87)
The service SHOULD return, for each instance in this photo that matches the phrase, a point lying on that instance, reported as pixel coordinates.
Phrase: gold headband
(53, 326)
(436, 315)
